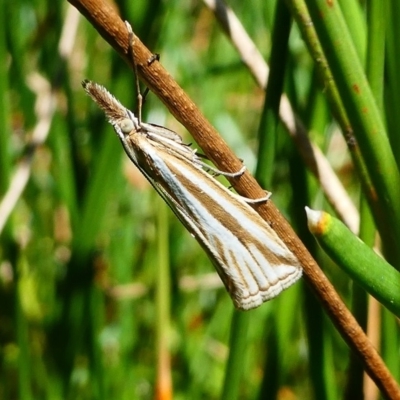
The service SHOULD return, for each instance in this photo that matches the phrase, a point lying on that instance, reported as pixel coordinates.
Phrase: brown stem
(108, 23)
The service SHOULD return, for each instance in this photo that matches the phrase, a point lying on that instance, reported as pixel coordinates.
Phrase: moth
(254, 264)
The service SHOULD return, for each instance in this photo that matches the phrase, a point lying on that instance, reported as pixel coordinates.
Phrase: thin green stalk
(390, 342)
(374, 69)
(273, 365)
(267, 134)
(392, 92)
(355, 20)
(106, 165)
(63, 169)
(97, 312)
(303, 19)
(375, 64)
(22, 326)
(267, 131)
(320, 354)
(163, 301)
(237, 345)
(5, 134)
(365, 119)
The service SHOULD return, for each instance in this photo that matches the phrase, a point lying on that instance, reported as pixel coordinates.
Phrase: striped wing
(252, 261)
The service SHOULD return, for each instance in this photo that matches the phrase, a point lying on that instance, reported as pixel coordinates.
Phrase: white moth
(254, 264)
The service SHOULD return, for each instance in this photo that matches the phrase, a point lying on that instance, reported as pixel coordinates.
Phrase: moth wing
(252, 261)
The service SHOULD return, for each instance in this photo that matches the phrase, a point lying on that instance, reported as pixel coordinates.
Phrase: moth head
(127, 126)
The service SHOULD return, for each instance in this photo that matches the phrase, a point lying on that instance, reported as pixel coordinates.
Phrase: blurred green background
(103, 294)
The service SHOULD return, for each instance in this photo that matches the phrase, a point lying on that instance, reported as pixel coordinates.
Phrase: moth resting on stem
(254, 264)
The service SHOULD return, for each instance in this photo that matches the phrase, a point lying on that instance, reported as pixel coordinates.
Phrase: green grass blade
(368, 269)
(365, 118)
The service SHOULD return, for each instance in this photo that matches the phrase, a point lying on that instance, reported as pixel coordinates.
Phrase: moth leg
(132, 54)
(219, 172)
(154, 57)
(256, 201)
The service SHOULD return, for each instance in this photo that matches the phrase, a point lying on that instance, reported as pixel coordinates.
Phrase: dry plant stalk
(108, 23)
